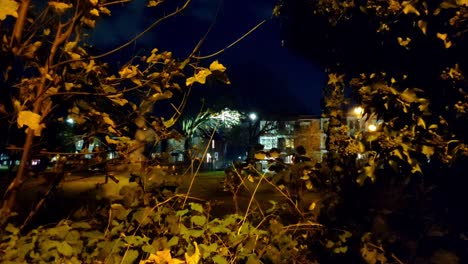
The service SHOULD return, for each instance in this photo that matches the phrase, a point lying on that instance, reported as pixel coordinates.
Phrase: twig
(230, 45)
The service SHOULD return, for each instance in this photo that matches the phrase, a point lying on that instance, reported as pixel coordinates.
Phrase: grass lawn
(218, 173)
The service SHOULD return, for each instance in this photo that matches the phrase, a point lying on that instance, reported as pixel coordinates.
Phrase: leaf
(129, 72)
(12, 229)
(174, 241)
(444, 38)
(8, 8)
(68, 86)
(312, 206)
(409, 8)
(409, 96)
(153, 3)
(309, 185)
(404, 42)
(207, 250)
(199, 77)
(182, 212)
(161, 96)
(250, 178)
(118, 100)
(195, 257)
(119, 211)
(339, 250)
(60, 7)
(218, 259)
(196, 207)
(169, 123)
(423, 26)
(31, 120)
(198, 220)
(130, 257)
(428, 151)
(94, 12)
(329, 244)
(216, 66)
(81, 225)
(65, 249)
(421, 123)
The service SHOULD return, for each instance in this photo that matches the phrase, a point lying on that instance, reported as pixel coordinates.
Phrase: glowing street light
(253, 116)
(358, 111)
(70, 121)
(372, 128)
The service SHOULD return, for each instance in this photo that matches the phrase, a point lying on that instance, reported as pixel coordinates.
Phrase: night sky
(266, 77)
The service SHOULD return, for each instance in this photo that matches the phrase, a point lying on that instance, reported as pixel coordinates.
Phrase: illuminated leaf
(153, 3)
(60, 7)
(68, 86)
(260, 156)
(70, 46)
(421, 123)
(408, 95)
(94, 12)
(104, 10)
(161, 96)
(162, 256)
(65, 249)
(423, 26)
(108, 121)
(88, 22)
(129, 72)
(334, 79)
(312, 206)
(218, 259)
(169, 123)
(8, 8)
(444, 38)
(309, 185)
(195, 257)
(199, 77)
(250, 178)
(29, 119)
(216, 66)
(340, 250)
(409, 9)
(404, 42)
(31, 49)
(428, 151)
(329, 244)
(198, 220)
(196, 207)
(119, 100)
(93, 2)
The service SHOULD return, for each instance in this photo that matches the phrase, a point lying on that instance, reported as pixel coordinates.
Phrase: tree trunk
(9, 199)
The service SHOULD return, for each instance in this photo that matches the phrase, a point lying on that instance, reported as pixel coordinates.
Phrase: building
(289, 133)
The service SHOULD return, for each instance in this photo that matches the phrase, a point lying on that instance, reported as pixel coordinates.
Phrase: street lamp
(253, 116)
(372, 128)
(358, 111)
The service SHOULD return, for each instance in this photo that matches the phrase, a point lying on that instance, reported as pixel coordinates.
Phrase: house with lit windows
(288, 134)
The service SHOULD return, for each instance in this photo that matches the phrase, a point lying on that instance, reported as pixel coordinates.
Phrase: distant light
(70, 121)
(372, 128)
(253, 116)
(358, 111)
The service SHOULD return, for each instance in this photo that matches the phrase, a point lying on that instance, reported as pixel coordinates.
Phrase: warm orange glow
(372, 128)
(358, 111)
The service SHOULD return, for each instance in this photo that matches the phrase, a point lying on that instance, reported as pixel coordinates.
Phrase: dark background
(266, 77)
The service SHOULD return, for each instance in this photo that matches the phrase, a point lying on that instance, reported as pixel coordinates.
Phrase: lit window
(213, 144)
